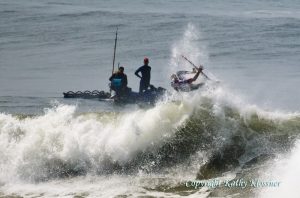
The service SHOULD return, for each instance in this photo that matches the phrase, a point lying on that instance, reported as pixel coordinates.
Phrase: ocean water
(244, 128)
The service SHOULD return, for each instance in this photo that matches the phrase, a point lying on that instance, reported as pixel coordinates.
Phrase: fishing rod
(114, 57)
(115, 49)
(195, 66)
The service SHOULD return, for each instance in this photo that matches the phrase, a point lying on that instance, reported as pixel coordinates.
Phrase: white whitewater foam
(27, 145)
(286, 171)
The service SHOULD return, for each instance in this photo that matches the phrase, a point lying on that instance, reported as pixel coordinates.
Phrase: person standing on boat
(119, 82)
(145, 70)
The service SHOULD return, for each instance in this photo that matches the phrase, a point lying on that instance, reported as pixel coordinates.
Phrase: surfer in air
(179, 83)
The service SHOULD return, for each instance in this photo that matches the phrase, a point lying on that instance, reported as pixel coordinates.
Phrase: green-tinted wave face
(236, 136)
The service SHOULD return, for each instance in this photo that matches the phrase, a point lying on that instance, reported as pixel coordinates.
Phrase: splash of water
(286, 171)
(191, 46)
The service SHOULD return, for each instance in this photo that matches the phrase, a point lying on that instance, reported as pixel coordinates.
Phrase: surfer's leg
(141, 87)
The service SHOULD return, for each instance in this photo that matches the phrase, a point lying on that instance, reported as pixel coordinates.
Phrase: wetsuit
(185, 85)
(145, 79)
(119, 83)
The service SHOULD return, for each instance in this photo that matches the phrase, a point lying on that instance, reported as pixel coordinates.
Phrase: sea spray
(60, 143)
(286, 170)
(191, 46)
(64, 143)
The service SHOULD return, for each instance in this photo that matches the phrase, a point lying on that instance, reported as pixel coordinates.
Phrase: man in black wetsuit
(119, 82)
(146, 75)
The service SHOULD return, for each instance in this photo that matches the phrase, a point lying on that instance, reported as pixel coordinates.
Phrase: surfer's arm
(137, 72)
(197, 74)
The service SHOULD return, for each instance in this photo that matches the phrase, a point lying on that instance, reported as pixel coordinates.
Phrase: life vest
(116, 82)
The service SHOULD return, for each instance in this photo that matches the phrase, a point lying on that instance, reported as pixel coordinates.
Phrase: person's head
(174, 77)
(146, 61)
(121, 70)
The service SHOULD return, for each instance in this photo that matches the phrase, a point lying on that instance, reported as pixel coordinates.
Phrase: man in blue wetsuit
(145, 70)
(119, 82)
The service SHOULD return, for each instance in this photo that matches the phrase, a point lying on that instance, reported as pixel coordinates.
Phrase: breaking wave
(63, 143)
